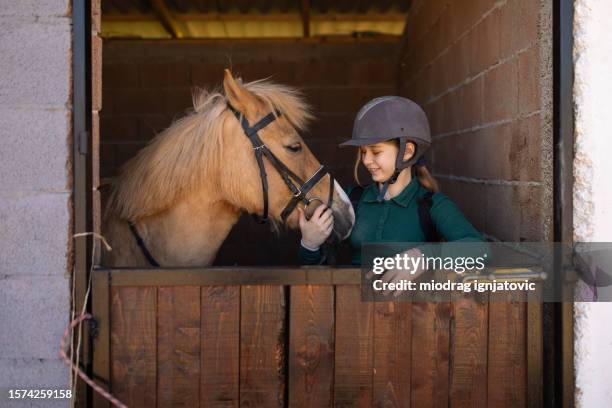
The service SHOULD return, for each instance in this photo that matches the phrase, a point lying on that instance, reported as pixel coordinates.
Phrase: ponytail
(426, 179)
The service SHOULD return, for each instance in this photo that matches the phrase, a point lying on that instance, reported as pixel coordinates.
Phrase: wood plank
(311, 346)
(469, 342)
(535, 352)
(430, 354)
(133, 345)
(507, 370)
(354, 332)
(100, 302)
(262, 346)
(314, 275)
(178, 346)
(228, 275)
(220, 349)
(392, 354)
(567, 340)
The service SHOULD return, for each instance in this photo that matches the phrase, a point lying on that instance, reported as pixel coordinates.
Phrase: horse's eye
(294, 147)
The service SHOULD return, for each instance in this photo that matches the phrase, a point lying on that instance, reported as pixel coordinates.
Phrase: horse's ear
(238, 97)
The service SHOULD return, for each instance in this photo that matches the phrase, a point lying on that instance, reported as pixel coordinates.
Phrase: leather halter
(301, 189)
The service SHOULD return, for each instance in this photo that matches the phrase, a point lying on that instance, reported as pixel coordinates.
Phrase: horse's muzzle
(344, 215)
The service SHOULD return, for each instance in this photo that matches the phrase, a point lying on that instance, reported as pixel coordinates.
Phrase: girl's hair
(423, 175)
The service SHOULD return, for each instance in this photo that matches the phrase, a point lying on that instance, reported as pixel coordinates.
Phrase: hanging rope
(76, 369)
(76, 320)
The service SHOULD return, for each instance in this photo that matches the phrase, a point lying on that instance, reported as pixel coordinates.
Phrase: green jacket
(397, 220)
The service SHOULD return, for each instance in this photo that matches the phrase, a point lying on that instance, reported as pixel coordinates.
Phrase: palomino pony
(185, 190)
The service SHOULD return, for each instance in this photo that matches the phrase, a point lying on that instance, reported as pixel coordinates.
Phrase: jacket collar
(403, 199)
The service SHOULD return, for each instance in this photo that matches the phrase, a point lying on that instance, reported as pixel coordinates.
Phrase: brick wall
(482, 71)
(35, 194)
(146, 84)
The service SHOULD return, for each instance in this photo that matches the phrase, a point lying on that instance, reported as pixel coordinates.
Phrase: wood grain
(178, 346)
(392, 354)
(262, 346)
(507, 371)
(354, 348)
(311, 346)
(430, 354)
(469, 343)
(133, 346)
(220, 348)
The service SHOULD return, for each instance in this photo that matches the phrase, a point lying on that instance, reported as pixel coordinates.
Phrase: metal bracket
(93, 327)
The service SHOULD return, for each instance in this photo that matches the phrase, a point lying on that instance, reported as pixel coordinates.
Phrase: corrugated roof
(258, 6)
(150, 19)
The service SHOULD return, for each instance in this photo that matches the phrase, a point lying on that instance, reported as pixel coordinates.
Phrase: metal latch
(507, 274)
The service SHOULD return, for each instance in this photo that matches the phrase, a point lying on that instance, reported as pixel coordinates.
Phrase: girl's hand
(316, 230)
(397, 275)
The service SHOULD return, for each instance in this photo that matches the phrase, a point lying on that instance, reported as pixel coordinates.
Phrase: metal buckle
(311, 199)
(261, 146)
(299, 192)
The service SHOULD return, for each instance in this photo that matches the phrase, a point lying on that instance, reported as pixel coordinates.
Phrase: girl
(403, 204)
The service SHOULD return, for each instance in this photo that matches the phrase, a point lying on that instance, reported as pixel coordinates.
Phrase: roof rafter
(165, 17)
(305, 11)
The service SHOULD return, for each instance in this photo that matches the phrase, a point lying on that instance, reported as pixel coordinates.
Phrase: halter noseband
(299, 191)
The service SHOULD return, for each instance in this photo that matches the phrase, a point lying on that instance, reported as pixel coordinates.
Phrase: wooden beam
(305, 11)
(315, 275)
(165, 17)
(269, 275)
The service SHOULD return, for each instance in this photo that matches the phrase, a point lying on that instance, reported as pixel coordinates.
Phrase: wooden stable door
(304, 338)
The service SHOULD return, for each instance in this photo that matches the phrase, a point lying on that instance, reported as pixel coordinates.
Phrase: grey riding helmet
(392, 117)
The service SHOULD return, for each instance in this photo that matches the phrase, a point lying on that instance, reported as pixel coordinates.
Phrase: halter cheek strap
(299, 191)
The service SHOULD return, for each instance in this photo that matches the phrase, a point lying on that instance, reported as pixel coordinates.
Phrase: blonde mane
(180, 159)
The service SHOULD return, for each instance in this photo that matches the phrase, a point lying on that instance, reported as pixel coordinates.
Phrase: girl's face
(379, 159)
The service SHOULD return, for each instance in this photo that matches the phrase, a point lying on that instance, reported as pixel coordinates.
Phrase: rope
(96, 235)
(81, 374)
(76, 321)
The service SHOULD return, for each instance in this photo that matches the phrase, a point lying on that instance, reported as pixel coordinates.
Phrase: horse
(183, 192)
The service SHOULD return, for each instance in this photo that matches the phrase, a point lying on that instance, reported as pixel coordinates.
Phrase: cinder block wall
(592, 194)
(482, 71)
(35, 194)
(146, 84)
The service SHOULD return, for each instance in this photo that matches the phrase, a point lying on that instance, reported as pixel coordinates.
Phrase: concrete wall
(482, 70)
(35, 209)
(592, 193)
(146, 84)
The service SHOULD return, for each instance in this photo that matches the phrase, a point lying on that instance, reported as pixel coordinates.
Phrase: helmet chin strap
(400, 165)
(385, 186)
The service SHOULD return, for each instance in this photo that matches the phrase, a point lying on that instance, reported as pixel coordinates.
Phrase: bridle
(300, 190)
